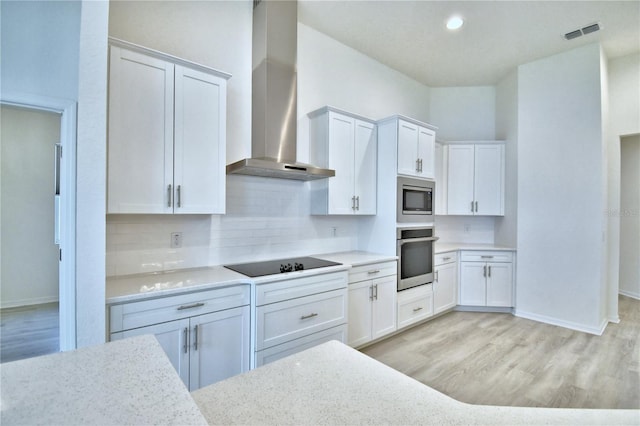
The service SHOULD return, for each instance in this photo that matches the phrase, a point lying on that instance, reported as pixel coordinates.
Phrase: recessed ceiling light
(454, 22)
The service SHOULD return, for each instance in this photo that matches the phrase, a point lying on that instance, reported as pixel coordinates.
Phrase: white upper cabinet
(167, 134)
(347, 144)
(416, 150)
(475, 179)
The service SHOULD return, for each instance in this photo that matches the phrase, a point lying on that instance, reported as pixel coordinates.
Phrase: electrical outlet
(176, 239)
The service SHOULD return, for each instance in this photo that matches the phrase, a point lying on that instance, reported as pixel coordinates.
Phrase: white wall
(560, 190)
(91, 173)
(29, 255)
(630, 217)
(39, 45)
(463, 113)
(330, 73)
(507, 130)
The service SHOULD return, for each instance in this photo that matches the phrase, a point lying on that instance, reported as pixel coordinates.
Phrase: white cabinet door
(384, 305)
(445, 287)
(365, 167)
(472, 284)
(426, 150)
(341, 159)
(360, 298)
(460, 180)
(500, 284)
(173, 336)
(489, 179)
(219, 346)
(407, 148)
(140, 154)
(200, 120)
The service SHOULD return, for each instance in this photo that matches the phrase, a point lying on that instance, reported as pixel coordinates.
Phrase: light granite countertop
(446, 247)
(130, 381)
(129, 288)
(333, 384)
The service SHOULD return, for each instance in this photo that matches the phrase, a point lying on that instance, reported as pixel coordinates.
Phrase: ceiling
(410, 36)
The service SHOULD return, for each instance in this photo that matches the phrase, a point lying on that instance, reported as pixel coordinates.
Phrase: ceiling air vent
(582, 31)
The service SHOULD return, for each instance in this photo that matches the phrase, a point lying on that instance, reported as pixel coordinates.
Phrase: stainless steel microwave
(415, 200)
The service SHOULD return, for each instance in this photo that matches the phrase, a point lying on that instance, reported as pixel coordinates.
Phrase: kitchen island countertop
(334, 384)
(130, 381)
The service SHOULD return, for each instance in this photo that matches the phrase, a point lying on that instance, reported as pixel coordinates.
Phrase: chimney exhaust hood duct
(274, 97)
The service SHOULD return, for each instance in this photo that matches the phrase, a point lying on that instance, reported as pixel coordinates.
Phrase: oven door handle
(417, 240)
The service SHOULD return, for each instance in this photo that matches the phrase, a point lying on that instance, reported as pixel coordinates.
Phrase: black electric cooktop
(280, 266)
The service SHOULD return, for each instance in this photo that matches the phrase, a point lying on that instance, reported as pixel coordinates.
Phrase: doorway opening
(630, 216)
(37, 218)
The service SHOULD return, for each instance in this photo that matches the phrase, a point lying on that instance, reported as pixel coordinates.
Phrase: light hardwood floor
(500, 359)
(29, 331)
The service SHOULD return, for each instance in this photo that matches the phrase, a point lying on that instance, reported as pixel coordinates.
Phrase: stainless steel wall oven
(415, 256)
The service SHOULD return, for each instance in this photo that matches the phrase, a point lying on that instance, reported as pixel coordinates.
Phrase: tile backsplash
(265, 219)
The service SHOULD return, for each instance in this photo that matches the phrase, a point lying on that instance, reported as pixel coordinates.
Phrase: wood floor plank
(29, 331)
(499, 359)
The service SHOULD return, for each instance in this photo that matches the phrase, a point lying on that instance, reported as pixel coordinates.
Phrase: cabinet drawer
(280, 351)
(127, 316)
(374, 270)
(414, 306)
(298, 287)
(486, 256)
(281, 322)
(442, 258)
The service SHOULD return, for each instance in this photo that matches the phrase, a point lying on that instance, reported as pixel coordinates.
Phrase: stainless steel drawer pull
(472, 207)
(489, 271)
(186, 340)
(486, 257)
(195, 345)
(195, 305)
(419, 308)
(484, 268)
(304, 317)
(377, 271)
(446, 258)
(179, 196)
(169, 196)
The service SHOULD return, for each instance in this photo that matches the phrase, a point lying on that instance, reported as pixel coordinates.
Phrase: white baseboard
(562, 323)
(28, 302)
(632, 294)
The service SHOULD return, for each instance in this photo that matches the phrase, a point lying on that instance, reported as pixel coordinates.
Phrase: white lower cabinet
(206, 335)
(445, 283)
(297, 313)
(372, 302)
(414, 305)
(486, 279)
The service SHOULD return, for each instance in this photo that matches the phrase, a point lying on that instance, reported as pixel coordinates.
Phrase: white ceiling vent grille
(583, 31)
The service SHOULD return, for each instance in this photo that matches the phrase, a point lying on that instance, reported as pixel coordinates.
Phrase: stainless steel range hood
(274, 96)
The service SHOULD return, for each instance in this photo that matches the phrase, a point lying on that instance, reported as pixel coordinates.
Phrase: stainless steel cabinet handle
(446, 258)
(476, 207)
(421, 165)
(375, 295)
(353, 203)
(179, 196)
(377, 271)
(484, 273)
(419, 308)
(195, 305)
(169, 196)
(489, 271)
(195, 345)
(186, 340)
(304, 317)
(472, 207)
(370, 292)
(358, 202)
(437, 279)
(486, 257)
